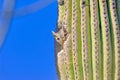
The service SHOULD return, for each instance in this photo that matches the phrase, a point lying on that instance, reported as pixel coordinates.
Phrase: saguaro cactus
(88, 40)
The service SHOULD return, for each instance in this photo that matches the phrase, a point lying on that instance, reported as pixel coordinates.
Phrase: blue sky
(28, 49)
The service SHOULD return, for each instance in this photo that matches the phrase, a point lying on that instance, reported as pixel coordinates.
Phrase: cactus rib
(75, 40)
(95, 40)
(84, 40)
(68, 55)
(89, 43)
(116, 33)
(118, 10)
(106, 40)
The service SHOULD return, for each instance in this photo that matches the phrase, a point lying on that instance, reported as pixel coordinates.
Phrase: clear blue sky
(28, 50)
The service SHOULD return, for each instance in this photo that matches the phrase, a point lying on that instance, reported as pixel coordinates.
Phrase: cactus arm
(116, 37)
(106, 40)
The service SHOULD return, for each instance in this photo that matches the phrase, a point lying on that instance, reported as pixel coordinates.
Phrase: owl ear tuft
(54, 34)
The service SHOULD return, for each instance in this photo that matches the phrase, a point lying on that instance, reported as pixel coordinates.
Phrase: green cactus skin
(91, 50)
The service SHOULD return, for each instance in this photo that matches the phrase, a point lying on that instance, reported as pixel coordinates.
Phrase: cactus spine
(89, 31)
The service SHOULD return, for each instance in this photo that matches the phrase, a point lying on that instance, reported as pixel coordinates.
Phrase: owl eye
(65, 34)
(58, 38)
(83, 2)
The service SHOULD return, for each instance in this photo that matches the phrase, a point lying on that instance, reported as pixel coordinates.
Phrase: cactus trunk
(91, 49)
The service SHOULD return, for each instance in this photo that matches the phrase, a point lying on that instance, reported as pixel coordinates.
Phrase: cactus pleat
(118, 9)
(106, 40)
(91, 49)
(96, 56)
(85, 37)
(68, 55)
(75, 40)
(89, 43)
(79, 48)
(116, 33)
(84, 40)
